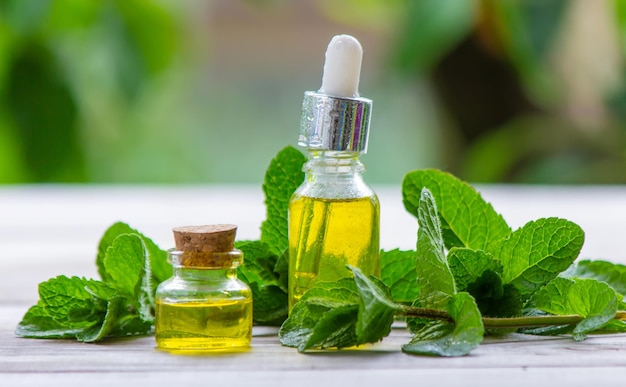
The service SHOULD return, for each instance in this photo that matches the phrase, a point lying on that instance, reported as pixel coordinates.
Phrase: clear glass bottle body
(334, 221)
(203, 309)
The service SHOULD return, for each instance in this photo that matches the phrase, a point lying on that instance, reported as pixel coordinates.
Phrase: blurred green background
(195, 91)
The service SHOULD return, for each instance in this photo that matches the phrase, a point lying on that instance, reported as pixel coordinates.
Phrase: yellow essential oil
(333, 215)
(204, 307)
(200, 326)
(328, 234)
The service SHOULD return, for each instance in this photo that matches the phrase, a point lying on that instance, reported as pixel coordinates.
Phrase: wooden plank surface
(51, 230)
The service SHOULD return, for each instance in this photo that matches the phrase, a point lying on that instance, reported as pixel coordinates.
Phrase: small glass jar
(204, 307)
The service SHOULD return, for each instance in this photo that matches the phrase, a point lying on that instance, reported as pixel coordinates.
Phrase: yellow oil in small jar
(201, 326)
(204, 307)
(328, 234)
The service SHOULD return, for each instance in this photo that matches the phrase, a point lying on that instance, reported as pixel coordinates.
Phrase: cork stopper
(210, 246)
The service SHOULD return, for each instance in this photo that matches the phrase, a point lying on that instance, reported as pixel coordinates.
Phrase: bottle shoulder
(335, 189)
(178, 287)
(334, 175)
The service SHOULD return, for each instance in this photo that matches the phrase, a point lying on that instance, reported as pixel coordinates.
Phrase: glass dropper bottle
(334, 216)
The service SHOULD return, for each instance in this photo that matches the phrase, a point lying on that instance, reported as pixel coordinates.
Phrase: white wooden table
(50, 230)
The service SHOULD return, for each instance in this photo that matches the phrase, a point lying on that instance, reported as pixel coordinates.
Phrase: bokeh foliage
(516, 110)
(60, 60)
(521, 95)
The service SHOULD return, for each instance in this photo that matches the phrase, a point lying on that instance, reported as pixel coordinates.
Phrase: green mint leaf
(100, 331)
(591, 299)
(612, 273)
(127, 264)
(456, 338)
(468, 265)
(466, 219)
(270, 305)
(432, 267)
(397, 271)
(159, 267)
(434, 301)
(479, 274)
(119, 321)
(130, 324)
(259, 263)
(101, 290)
(281, 268)
(335, 329)
(537, 252)
(614, 326)
(325, 317)
(270, 302)
(376, 309)
(67, 301)
(37, 324)
(282, 177)
(86, 310)
(124, 264)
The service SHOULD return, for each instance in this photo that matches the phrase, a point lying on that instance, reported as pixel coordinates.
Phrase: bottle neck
(205, 274)
(334, 163)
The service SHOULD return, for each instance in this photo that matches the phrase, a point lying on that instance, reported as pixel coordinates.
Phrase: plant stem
(503, 322)
(531, 321)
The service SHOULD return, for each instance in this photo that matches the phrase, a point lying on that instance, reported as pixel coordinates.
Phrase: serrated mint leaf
(335, 329)
(160, 269)
(434, 301)
(127, 263)
(325, 317)
(456, 338)
(466, 219)
(107, 239)
(537, 252)
(37, 324)
(87, 310)
(68, 301)
(397, 271)
(376, 309)
(270, 305)
(282, 177)
(612, 273)
(259, 263)
(479, 274)
(101, 290)
(591, 299)
(433, 273)
(468, 265)
(124, 263)
(270, 302)
(100, 331)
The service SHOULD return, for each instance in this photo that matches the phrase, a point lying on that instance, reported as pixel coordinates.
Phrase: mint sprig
(131, 266)
(121, 304)
(469, 275)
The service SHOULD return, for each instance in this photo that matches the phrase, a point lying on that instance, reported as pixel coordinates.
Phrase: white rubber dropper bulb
(342, 68)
